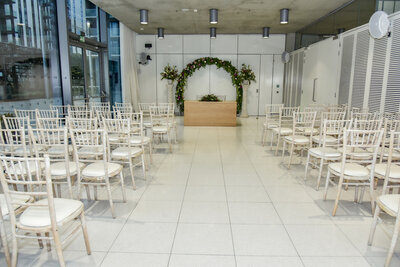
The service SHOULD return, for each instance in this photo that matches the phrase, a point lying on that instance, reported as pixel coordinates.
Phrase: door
(85, 66)
(266, 80)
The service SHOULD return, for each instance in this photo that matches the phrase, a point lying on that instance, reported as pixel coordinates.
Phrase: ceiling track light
(213, 16)
(266, 32)
(284, 16)
(213, 33)
(160, 33)
(144, 16)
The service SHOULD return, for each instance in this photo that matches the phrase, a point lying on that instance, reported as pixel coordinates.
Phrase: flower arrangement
(201, 63)
(169, 73)
(247, 74)
(210, 98)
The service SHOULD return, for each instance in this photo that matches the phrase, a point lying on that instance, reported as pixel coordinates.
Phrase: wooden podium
(201, 113)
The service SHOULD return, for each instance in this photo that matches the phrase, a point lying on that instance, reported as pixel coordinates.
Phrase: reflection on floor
(221, 199)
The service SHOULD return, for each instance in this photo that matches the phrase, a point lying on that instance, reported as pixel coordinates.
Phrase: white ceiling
(235, 16)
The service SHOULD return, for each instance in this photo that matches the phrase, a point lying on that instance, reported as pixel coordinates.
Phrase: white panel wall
(180, 50)
(321, 62)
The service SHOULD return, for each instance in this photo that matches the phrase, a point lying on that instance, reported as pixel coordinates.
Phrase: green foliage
(169, 73)
(247, 74)
(210, 98)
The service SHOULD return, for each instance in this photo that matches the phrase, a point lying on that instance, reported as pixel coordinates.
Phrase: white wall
(263, 55)
(321, 62)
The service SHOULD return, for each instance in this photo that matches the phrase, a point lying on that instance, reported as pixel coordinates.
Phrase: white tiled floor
(221, 199)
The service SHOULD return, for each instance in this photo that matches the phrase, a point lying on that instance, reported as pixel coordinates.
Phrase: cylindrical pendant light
(144, 16)
(160, 32)
(213, 33)
(266, 32)
(213, 16)
(340, 30)
(284, 16)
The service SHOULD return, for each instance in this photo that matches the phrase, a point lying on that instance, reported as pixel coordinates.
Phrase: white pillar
(170, 84)
(245, 86)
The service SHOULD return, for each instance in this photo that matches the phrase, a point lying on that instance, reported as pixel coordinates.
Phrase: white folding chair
(271, 119)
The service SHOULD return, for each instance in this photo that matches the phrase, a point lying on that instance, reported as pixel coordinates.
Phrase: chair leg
(321, 166)
(272, 140)
(121, 175)
(328, 177)
(132, 176)
(48, 244)
(340, 184)
(88, 192)
(393, 242)
(373, 226)
(144, 167)
(40, 241)
(283, 150)
(14, 258)
(291, 155)
(277, 144)
(263, 137)
(371, 193)
(58, 246)
(307, 162)
(85, 233)
(151, 152)
(4, 241)
(110, 198)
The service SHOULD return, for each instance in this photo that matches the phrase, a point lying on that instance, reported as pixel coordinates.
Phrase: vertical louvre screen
(378, 67)
(392, 100)
(345, 73)
(294, 80)
(299, 78)
(360, 69)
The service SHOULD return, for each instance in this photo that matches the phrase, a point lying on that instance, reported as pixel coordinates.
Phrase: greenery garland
(201, 63)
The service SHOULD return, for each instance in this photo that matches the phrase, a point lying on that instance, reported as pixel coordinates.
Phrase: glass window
(29, 56)
(83, 18)
(114, 60)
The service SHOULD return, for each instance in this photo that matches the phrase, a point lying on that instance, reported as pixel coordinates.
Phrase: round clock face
(379, 24)
(285, 57)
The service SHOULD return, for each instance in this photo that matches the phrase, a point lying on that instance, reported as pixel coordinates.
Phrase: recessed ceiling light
(284, 16)
(213, 16)
(195, 10)
(141, 29)
(144, 16)
(185, 9)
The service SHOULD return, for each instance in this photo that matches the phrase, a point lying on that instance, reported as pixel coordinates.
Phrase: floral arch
(201, 63)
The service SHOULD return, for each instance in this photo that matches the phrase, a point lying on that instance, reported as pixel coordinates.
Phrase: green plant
(210, 98)
(247, 74)
(169, 73)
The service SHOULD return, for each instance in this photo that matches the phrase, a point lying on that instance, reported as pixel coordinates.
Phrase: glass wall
(29, 54)
(351, 16)
(114, 59)
(83, 18)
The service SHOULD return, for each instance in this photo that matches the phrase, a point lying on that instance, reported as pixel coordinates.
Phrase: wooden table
(200, 113)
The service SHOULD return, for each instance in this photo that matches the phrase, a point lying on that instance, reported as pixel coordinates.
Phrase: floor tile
(262, 240)
(320, 240)
(211, 239)
(164, 192)
(201, 261)
(334, 261)
(204, 212)
(302, 213)
(205, 193)
(114, 259)
(258, 261)
(246, 194)
(156, 211)
(253, 213)
(288, 194)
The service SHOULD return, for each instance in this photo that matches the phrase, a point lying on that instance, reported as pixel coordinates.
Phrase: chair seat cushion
(380, 169)
(58, 149)
(385, 152)
(15, 198)
(350, 169)
(59, 168)
(90, 150)
(358, 153)
(147, 124)
(328, 139)
(283, 131)
(137, 140)
(328, 152)
(124, 152)
(298, 139)
(97, 169)
(390, 202)
(309, 130)
(20, 168)
(160, 129)
(113, 137)
(39, 216)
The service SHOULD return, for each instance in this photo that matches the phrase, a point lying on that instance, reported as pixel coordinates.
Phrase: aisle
(221, 199)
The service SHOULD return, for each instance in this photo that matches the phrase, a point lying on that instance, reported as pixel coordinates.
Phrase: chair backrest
(49, 123)
(358, 124)
(160, 115)
(16, 122)
(122, 105)
(336, 108)
(32, 174)
(77, 108)
(364, 116)
(84, 114)
(394, 145)
(61, 109)
(53, 142)
(332, 128)
(100, 106)
(145, 108)
(303, 123)
(82, 123)
(361, 145)
(31, 114)
(123, 108)
(46, 113)
(15, 142)
(333, 115)
(89, 145)
(119, 127)
(286, 115)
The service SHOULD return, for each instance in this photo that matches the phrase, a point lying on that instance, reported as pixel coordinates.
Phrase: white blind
(299, 78)
(377, 73)
(392, 100)
(360, 69)
(345, 71)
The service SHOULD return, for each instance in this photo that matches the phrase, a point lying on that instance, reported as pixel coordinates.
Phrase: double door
(87, 84)
(267, 89)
